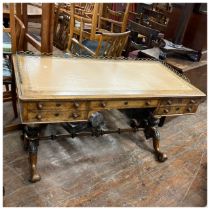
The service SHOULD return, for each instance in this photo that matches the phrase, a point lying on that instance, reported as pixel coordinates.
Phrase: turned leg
(33, 142)
(156, 145)
(33, 149)
(151, 131)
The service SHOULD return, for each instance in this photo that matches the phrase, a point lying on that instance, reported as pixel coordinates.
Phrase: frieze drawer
(178, 101)
(46, 105)
(122, 104)
(191, 108)
(175, 110)
(55, 116)
(170, 110)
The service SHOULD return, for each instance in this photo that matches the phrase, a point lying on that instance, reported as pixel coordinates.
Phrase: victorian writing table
(75, 90)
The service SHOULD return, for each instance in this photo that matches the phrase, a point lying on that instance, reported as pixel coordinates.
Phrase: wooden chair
(165, 8)
(43, 42)
(105, 45)
(9, 47)
(83, 27)
(141, 37)
(85, 11)
(113, 21)
(63, 23)
(16, 34)
(19, 34)
(157, 18)
(157, 26)
(61, 27)
(136, 17)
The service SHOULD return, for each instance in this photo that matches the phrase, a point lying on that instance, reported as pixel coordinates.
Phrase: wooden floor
(113, 170)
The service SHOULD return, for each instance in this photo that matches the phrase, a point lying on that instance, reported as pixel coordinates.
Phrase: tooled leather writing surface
(52, 77)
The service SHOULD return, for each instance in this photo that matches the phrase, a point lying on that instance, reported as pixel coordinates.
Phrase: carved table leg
(151, 131)
(33, 144)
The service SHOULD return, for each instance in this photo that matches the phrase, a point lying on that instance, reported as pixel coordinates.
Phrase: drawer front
(122, 104)
(179, 102)
(191, 108)
(55, 116)
(170, 110)
(46, 105)
(176, 110)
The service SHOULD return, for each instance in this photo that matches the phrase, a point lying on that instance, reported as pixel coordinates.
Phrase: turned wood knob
(177, 109)
(192, 101)
(56, 114)
(169, 102)
(126, 103)
(103, 104)
(148, 103)
(75, 115)
(58, 105)
(76, 104)
(166, 111)
(189, 109)
(39, 116)
(39, 106)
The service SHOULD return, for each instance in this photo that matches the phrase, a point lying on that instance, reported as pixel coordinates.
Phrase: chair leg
(14, 104)
(14, 97)
(7, 87)
(13, 90)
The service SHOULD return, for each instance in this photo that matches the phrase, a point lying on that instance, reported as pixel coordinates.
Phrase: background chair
(105, 45)
(84, 26)
(14, 38)
(113, 21)
(141, 37)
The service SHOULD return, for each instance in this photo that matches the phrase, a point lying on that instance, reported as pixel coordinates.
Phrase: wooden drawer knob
(39, 117)
(75, 115)
(165, 111)
(58, 105)
(76, 104)
(148, 103)
(189, 109)
(56, 114)
(126, 103)
(39, 105)
(192, 101)
(103, 104)
(169, 102)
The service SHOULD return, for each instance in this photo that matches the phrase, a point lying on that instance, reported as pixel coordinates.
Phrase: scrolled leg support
(33, 149)
(151, 131)
(33, 143)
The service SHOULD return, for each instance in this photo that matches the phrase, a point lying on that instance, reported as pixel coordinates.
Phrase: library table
(73, 91)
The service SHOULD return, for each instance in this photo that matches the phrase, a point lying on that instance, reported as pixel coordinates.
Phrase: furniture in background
(85, 10)
(81, 26)
(188, 25)
(61, 27)
(113, 21)
(104, 45)
(141, 37)
(43, 42)
(195, 71)
(9, 47)
(83, 90)
(154, 19)
(63, 23)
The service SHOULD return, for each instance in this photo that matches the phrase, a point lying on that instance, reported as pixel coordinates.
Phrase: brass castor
(35, 178)
(161, 157)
